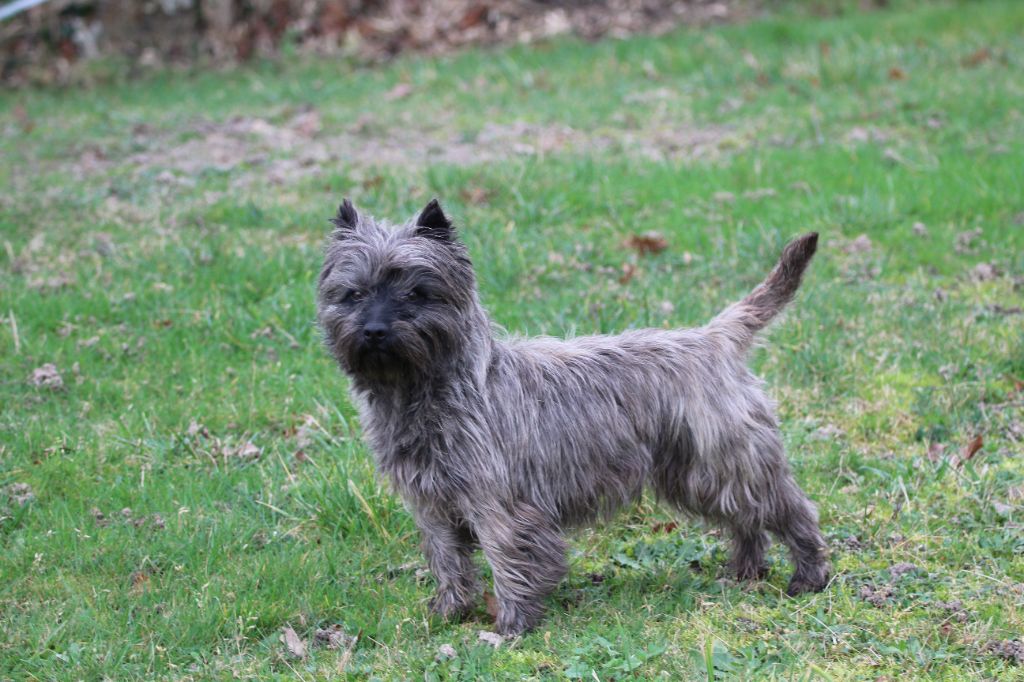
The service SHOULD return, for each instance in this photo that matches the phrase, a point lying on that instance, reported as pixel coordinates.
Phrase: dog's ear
(434, 224)
(346, 220)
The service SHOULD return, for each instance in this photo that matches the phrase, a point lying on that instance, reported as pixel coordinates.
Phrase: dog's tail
(742, 320)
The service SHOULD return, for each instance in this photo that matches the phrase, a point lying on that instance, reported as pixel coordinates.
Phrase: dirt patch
(1011, 650)
(257, 150)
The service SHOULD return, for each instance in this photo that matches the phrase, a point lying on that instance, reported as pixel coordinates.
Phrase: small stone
(446, 651)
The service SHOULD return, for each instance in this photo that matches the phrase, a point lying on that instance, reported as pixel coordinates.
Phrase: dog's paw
(450, 606)
(516, 620)
(751, 571)
(813, 580)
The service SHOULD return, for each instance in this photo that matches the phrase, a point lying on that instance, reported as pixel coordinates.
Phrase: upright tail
(742, 320)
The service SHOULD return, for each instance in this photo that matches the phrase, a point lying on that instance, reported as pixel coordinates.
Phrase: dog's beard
(410, 353)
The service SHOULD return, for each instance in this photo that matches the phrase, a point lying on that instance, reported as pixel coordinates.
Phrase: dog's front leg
(527, 557)
(448, 547)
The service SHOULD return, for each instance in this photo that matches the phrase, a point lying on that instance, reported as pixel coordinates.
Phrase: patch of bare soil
(255, 149)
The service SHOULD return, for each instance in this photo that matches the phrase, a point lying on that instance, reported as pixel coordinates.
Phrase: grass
(177, 304)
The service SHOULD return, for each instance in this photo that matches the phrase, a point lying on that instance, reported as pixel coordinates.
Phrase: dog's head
(392, 301)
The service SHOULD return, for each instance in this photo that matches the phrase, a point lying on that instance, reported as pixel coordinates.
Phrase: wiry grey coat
(502, 444)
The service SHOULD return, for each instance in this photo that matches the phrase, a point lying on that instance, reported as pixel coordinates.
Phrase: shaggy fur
(503, 444)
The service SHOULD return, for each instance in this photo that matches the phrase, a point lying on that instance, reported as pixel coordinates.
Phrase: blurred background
(42, 39)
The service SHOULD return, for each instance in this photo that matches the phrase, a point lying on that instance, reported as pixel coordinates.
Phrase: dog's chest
(415, 453)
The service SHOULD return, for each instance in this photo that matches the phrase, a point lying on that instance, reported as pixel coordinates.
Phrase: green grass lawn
(198, 481)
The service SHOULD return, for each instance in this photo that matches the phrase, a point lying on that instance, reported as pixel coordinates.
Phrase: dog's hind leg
(794, 520)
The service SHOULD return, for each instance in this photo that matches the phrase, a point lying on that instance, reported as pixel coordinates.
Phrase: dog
(504, 444)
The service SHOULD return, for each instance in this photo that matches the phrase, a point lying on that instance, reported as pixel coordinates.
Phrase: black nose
(375, 331)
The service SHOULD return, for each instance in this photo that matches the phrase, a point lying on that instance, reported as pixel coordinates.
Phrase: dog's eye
(417, 294)
(353, 296)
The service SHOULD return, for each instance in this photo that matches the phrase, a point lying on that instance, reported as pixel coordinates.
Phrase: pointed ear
(346, 220)
(434, 224)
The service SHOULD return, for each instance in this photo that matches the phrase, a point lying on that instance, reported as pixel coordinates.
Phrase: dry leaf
(628, 271)
(474, 16)
(667, 527)
(976, 58)
(935, 451)
(24, 120)
(476, 195)
(897, 74)
(139, 581)
(247, 450)
(648, 242)
(400, 91)
(196, 429)
(491, 604)
(296, 647)
(334, 637)
(971, 449)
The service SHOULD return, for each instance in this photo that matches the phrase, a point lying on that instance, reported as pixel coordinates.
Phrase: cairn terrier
(503, 443)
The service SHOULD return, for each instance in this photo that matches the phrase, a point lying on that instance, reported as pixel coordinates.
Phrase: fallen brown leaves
(139, 581)
(976, 58)
(333, 637)
(204, 442)
(491, 604)
(369, 30)
(293, 643)
(936, 451)
(646, 243)
(628, 272)
(400, 91)
(970, 450)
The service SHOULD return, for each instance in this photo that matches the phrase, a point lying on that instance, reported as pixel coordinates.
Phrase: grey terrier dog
(503, 444)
